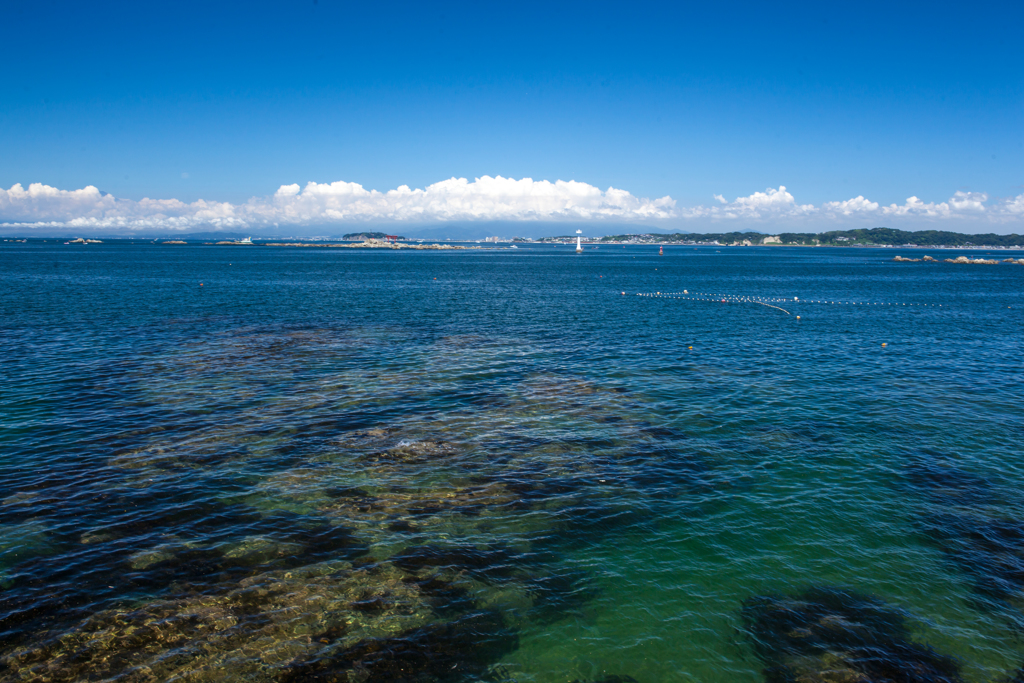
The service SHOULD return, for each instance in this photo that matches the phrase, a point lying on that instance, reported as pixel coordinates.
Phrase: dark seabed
(338, 465)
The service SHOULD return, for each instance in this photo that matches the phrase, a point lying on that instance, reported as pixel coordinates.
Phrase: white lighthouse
(579, 245)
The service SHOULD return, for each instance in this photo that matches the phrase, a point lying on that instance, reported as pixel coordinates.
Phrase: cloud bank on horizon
(484, 199)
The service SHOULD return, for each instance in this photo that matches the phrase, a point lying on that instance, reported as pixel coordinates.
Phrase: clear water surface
(273, 464)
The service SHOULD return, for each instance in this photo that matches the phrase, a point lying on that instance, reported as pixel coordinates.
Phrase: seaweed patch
(832, 634)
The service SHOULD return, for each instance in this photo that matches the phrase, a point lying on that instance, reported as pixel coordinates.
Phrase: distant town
(874, 237)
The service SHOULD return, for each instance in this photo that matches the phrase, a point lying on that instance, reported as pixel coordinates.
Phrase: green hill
(835, 238)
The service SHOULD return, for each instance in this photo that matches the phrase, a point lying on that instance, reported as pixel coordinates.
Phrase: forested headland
(887, 237)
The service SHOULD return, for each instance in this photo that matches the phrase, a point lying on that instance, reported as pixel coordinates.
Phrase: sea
(516, 465)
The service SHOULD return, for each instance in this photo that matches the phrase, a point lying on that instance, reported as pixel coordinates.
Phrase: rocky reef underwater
(836, 635)
(289, 525)
(289, 505)
(978, 524)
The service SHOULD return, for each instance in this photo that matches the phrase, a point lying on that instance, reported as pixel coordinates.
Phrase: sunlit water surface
(259, 464)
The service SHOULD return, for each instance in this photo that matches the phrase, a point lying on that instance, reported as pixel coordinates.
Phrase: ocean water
(260, 464)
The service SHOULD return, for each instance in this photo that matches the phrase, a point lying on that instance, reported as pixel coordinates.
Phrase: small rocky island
(959, 259)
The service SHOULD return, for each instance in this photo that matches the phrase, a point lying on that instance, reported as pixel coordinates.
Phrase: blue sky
(221, 103)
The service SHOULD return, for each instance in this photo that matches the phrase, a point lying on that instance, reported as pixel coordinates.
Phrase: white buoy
(579, 245)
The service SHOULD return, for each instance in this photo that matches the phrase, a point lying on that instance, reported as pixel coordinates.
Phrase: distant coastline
(874, 237)
(864, 238)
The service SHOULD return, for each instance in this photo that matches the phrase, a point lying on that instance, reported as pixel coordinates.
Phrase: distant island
(370, 236)
(874, 237)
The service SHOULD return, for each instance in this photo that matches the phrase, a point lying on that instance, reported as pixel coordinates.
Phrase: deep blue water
(273, 464)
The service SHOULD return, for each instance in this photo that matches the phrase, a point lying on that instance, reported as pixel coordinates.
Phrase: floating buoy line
(769, 301)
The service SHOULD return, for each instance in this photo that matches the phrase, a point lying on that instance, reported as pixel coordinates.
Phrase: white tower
(579, 245)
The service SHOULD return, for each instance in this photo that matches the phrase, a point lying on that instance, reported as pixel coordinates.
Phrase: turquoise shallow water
(493, 465)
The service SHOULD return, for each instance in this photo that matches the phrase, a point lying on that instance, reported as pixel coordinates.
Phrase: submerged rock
(942, 483)
(418, 451)
(461, 650)
(1016, 677)
(834, 635)
(260, 550)
(486, 563)
(990, 549)
(261, 630)
(962, 519)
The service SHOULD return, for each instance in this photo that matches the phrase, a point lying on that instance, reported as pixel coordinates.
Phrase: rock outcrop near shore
(958, 259)
(964, 259)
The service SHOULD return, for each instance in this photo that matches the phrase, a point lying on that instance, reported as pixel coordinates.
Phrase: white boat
(513, 247)
(247, 240)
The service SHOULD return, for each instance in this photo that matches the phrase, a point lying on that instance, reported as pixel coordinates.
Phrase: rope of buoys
(700, 296)
(771, 306)
(739, 300)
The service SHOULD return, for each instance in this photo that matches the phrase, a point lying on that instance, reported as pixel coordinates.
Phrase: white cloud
(771, 202)
(1013, 207)
(42, 202)
(968, 201)
(856, 206)
(456, 199)
(485, 198)
(779, 204)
